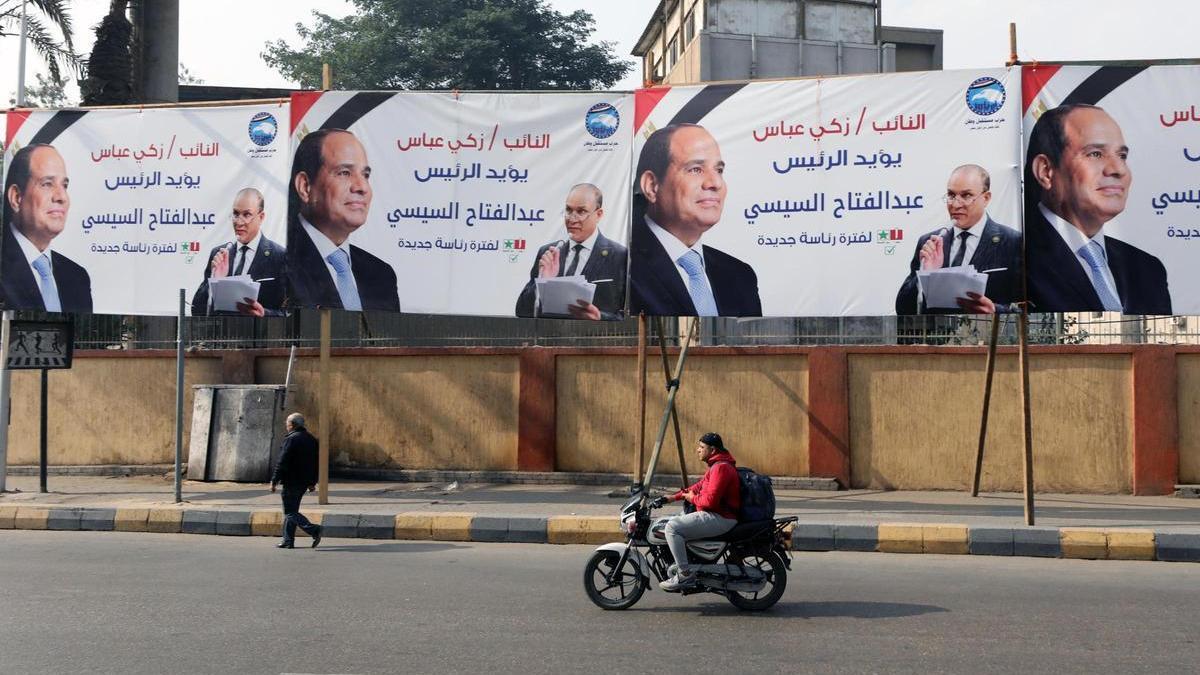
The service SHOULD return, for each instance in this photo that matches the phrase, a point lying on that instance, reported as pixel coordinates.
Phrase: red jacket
(719, 490)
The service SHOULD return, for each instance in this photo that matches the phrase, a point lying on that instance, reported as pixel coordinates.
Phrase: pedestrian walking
(297, 472)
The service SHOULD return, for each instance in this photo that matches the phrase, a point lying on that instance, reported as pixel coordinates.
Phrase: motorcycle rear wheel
(772, 567)
(627, 583)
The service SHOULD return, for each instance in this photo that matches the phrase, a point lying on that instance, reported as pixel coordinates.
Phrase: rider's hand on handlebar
(658, 502)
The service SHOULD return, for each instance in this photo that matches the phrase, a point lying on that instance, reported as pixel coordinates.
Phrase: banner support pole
(662, 329)
(670, 407)
(323, 421)
(987, 399)
(1026, 416)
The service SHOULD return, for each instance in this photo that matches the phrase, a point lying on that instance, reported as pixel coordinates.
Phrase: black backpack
(758, 497)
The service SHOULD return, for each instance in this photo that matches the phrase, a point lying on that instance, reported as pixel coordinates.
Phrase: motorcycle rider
(716, 498)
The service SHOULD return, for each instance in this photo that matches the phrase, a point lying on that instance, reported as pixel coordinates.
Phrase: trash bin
(236, 431)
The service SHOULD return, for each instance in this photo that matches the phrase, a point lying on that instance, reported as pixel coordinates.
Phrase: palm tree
(48, 29)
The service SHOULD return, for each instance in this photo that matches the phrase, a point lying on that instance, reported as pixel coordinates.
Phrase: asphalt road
(145, 603)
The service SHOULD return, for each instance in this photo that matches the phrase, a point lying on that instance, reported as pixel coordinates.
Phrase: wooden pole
(671, 392)
(987, 399)
(640, 435)
(1012, 45)
(1026, 416)
(662, 330)
(323, 418)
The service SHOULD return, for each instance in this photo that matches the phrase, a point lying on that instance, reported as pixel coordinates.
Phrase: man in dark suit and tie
(1076, 181)
(249, 253)
(585, 251)
(975, 239)
(680, 177)
(35, 212)
(329, 199)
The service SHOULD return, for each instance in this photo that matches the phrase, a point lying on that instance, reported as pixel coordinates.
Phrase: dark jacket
(298, 460)
(19, 289)
(270, 262)
(720, 490)
(1057, 282)
(656, 288)
(608, 260)
(313, 286)
(999, 246)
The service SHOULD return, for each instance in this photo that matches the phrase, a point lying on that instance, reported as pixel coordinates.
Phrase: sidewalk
(1089, 526)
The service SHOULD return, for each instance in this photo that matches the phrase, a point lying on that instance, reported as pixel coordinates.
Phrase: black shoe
(285, 544)
(317, 536)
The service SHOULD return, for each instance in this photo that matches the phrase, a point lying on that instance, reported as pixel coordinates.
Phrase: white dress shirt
(32, 253)
(325, 247)
(585, 253)
(1076, 240)
(251, 250)
(676, 250)
(972, 243)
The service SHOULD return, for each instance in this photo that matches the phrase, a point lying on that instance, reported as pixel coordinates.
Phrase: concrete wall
(105, 410)
(413, 412)
(914, 422)
(758, 405)
(1189, 418)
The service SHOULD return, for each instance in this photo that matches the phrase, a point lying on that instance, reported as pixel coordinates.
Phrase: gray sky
(220, 42)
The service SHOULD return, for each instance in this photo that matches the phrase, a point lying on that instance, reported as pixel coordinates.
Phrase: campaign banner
(461, 203)
(864, 195)
(115, 211)
(1112, 165)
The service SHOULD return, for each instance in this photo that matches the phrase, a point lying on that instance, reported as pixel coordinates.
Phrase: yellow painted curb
(901, 538)
(1081, 543)
(266, 523)
(1130, 544)
(7, 515)
(131, 520)
(949, 539)
(414, 526)
(583, 529)
(30, 518)
(165, 520)
(450, 526)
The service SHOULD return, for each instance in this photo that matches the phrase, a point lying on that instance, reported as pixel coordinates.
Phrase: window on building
(689, 27)
(672, 52)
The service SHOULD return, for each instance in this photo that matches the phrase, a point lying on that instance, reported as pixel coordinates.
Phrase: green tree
(450, 44)
(45, 94)
(48, 29)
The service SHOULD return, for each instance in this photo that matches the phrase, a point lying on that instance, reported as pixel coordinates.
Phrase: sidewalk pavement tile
(197, 521)
(132, 520)
(900, 538)
(63, 519)
(1086, 543)
(1130, 544)
(946, 539)
(812, 537)
(233, 523)
(165, 520)
(97, 519)
(855, 537)
(990, 540)
(1038, 542)
(1177, 547)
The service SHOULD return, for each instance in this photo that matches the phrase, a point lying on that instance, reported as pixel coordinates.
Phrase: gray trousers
(696, 525)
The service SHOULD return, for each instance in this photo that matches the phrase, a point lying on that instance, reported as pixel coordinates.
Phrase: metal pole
(1026, 416)
(987, 399)
(640, 432)
(674, 412)
(179, 338)
(287, 378)
(5, 382)
(671, 391)
(323, 421)
(43, 454)
(21, 57)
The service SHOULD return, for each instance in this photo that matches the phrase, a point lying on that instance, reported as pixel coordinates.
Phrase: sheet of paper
(942, 287)
(226, 292)
(558, 293)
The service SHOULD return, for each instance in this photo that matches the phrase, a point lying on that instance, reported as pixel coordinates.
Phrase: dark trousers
(292, 494)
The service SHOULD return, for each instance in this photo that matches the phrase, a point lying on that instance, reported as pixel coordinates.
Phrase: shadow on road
(390, 547)
(815, 610)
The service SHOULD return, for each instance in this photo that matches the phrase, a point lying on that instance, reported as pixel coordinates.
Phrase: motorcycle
(748, 565)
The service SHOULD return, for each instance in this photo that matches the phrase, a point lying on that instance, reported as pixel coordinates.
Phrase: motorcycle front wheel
(771, 566)
(624, 589)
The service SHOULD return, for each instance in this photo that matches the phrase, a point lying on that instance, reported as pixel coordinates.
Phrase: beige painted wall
(914, 422)
(757, 405)
(118, 410)
(1189, 417)
(413, 412)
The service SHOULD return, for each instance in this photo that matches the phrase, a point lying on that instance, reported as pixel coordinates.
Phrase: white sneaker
(678, 582)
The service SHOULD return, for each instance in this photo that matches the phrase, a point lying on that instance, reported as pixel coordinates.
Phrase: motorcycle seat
(747, 530)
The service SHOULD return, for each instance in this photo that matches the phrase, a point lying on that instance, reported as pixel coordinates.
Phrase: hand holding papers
(556, 294)
(227, 292)
(943, 287)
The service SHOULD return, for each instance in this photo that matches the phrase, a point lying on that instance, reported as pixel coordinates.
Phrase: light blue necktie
(49, 289)
(698, 287)
(1093, 253)
(345, 280)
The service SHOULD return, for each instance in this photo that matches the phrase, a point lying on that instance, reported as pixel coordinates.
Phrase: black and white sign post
(45, 346)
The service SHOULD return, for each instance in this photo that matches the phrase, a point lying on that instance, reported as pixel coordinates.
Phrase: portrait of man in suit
(36, 202)
(972, 238)
(249, 253)
(1077, 180)
(680, 177)
(330, 196)
(585, 251)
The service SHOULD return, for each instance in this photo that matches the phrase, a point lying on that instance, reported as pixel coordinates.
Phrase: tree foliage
(109, 79)
(48, 29)
(47, 93)
(450, 44)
